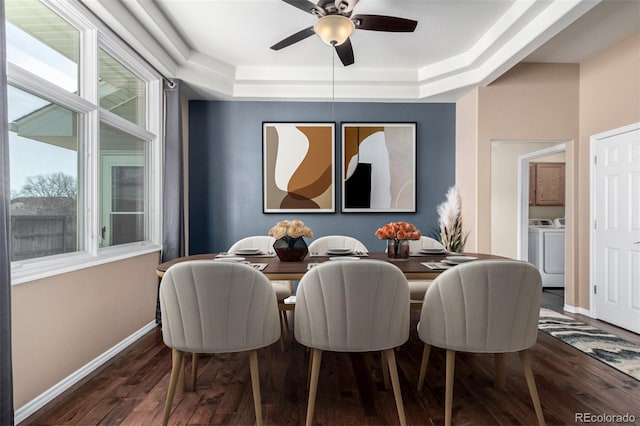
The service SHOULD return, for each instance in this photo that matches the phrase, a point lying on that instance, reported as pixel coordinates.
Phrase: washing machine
(546, 250)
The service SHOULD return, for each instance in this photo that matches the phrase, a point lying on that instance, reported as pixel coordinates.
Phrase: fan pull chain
(333, 82)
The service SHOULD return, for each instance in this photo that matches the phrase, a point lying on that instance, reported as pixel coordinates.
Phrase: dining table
(273, 268)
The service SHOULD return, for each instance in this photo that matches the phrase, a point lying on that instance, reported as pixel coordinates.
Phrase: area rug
(614, 351)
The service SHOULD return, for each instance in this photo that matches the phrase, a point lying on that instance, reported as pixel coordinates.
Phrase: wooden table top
(278, 270)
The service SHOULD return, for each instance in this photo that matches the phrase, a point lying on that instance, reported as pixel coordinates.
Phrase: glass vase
(398, 249)
(290, 249)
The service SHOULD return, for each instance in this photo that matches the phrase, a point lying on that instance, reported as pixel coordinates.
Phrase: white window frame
(94, 35)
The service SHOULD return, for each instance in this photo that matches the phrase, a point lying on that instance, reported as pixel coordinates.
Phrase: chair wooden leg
(316, 359)
(194, 371)
(255, 385)
(309, 367)
(176, 364)
(286, 320)
(448, 395)
(281, 332)
(385, 370)
(423, 366)
(393, 372)
(499, 362)
(531, 382)
(180, 384)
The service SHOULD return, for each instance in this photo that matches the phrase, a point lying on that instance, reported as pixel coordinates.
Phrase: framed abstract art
(378, 167)
(298, 167)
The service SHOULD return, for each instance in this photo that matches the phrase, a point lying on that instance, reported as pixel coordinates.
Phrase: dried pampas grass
(450, 221)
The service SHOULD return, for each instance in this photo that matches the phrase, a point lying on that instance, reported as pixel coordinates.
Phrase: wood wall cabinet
(546, 184)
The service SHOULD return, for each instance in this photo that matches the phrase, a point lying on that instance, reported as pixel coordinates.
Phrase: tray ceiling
(221, 48)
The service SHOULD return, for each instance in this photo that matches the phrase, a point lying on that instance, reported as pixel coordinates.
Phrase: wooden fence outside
(36, 236)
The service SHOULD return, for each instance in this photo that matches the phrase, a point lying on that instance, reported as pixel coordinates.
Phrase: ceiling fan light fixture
(334, 29)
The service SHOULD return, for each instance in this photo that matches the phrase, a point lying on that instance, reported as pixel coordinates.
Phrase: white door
(616, 244)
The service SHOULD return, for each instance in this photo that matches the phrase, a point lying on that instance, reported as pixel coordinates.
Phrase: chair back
(265, 244)
(262, 242)
(322, 244)
(212, 307)
(352, 306)
(424, 243)
(483, 306)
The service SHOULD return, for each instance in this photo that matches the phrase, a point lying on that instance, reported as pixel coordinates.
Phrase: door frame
(523, 196)
(593, 140)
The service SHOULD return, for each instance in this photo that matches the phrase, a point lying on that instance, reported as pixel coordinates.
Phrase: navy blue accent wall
(225, 168)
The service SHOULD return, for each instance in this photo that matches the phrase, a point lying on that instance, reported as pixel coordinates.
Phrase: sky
(31, 157)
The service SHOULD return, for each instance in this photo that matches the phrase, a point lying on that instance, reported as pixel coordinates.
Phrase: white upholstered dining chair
(347, 306)
(283, 289)
(424, 243)
(484, 306)
(322, 244)
(216, 307)
(418, 288)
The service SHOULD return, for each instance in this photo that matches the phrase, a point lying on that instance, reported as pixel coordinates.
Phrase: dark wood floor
(553, 298)
(132, 388)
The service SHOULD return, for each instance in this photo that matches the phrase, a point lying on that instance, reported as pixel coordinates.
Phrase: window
(121, 92)
(42, 43)
(43, 150)
(123, 202)
(84, 141)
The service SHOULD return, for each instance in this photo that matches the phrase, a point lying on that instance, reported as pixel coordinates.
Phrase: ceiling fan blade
(304, 5)
(294, 38)
(384, 23)
(345, 53)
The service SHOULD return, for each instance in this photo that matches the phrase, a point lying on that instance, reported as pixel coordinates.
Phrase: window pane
(43, 155)
(41, 42)
(128, 188)
(123, 185)
(121, 92)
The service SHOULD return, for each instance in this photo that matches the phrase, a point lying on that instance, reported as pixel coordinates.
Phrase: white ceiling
(221, 47)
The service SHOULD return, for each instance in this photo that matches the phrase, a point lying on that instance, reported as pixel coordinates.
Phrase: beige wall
(61, 323)
(609, 98)
(530, 102)
(467, 164)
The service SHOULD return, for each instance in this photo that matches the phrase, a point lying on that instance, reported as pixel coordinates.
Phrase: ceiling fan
(335, 24)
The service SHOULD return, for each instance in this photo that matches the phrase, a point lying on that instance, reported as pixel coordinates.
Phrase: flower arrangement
(398, 231)
(290, 228)
(289, 244)
(450, 222)
(398, 235)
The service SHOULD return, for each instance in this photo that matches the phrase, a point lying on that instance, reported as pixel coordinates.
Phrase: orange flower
(398, 230)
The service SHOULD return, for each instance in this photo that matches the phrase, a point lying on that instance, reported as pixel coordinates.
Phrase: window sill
(36, 269)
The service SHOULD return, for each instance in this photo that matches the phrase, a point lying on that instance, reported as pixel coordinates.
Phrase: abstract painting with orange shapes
(379, 167)
(298, 167)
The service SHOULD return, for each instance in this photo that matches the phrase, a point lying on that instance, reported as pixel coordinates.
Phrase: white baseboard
(577, 310)
(47, 396)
